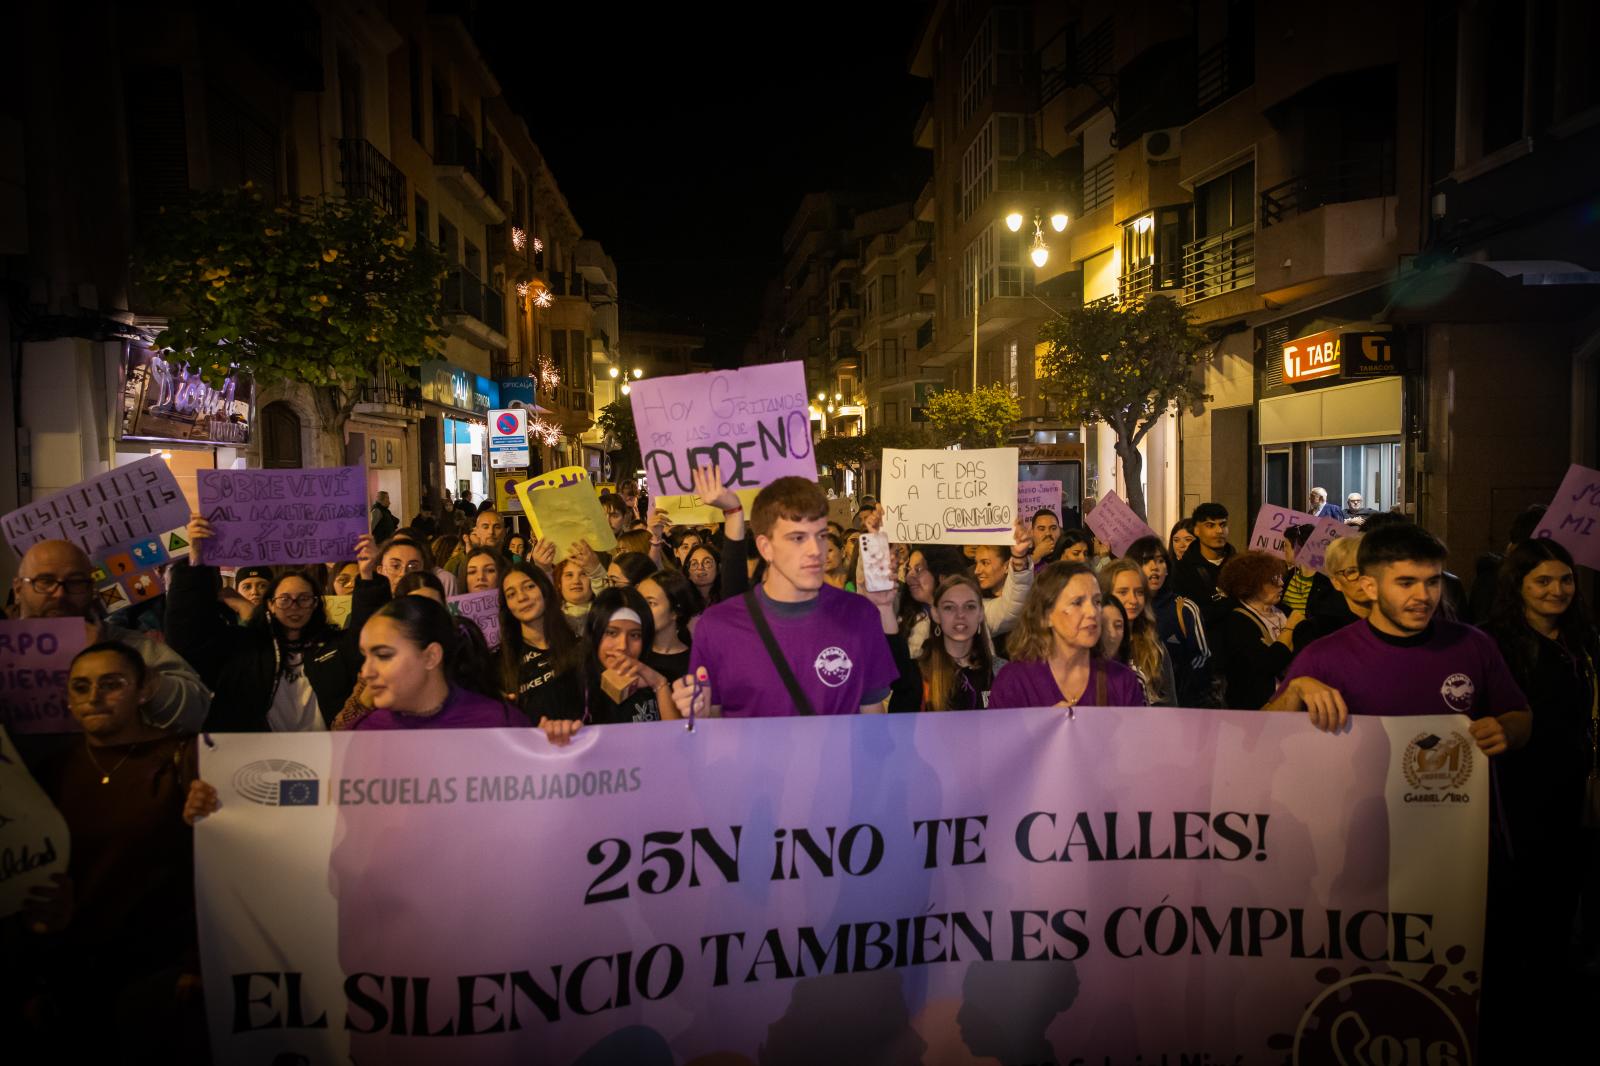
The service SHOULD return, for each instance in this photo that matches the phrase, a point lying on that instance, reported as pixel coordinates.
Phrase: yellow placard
(337, 609)
(561, 506)
(505, 496)
(689, 511)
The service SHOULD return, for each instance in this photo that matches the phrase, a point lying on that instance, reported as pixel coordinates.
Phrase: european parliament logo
(278, 783)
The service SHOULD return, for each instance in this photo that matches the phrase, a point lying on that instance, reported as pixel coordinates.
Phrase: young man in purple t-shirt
(832, 641)
(1404, 659)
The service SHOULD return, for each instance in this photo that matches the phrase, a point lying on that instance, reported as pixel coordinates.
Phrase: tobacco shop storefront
(1331, 413)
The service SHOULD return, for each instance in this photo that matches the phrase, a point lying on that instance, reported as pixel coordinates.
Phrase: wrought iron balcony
(454, 146)
(1366, 177)
(1220, 263)
(925, 335)
(366, 174)
(466, 294)
(1149, 279)
(1224, 69)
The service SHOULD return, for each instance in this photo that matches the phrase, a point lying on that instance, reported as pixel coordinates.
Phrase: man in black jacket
(1195, 574)
(383, 521)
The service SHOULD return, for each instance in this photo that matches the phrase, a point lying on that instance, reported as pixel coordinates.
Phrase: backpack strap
(801, 703)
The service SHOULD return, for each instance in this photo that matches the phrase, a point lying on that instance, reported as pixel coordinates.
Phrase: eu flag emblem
(297, 793)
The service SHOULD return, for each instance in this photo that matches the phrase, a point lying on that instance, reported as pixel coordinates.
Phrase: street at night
(452, 448)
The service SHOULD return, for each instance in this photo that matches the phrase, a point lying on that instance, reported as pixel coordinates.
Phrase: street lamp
(637, 373)
(614, 372)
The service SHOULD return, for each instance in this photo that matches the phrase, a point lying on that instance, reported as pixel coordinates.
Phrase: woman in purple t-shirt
(1054, 649)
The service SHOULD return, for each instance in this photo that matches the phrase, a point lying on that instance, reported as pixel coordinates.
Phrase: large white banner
(1123, 885)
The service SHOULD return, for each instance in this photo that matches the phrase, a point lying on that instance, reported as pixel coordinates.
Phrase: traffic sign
(508, 438)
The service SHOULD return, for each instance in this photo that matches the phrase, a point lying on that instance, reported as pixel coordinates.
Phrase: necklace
(105, 775)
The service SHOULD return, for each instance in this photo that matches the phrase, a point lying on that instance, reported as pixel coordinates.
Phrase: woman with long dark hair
(1123, 580)
(958, 663)
(286, 670)
(1545, 633)
(704, 566)
(674, 606)
(539, 654)
(1178, 623)
(619, 686)
(425, 669)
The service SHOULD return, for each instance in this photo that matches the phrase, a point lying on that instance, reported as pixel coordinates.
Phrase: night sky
(685, 150)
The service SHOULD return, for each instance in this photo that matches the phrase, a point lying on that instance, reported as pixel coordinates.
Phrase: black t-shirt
(545, 692)
(638, 706)
(670, 665)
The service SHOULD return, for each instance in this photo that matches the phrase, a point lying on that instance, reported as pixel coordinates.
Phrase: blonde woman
(1124, 581)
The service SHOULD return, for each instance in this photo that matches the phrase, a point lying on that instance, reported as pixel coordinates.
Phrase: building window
(998, 55)
(414, 75)
(1222, 256)
(986, 164)
(449, 237)
(422, 233)
(891, 357)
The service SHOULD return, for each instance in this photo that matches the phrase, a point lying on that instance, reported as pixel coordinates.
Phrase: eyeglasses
(283, 603)
(45, 584)
(1349, 573)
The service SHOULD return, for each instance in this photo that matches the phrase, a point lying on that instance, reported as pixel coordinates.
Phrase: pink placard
(1115, 523)
(35, 655)
(1034, 496)
(1328, 530)
(1271, 523)
(1572, 518)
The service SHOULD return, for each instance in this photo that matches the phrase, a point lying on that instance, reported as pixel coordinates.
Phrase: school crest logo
(1458, 691)
(1436, 763)
(833, 666)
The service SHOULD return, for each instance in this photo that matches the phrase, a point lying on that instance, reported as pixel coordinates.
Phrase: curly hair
(1247, 573)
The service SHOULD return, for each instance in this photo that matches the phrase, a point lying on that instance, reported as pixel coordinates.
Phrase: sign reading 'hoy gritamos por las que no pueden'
(932, 496)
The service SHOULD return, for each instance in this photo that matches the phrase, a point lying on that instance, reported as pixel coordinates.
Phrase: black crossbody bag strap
(796, 693)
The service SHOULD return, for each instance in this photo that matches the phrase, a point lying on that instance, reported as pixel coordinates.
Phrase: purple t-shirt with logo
(834, 644)
(1449, 668)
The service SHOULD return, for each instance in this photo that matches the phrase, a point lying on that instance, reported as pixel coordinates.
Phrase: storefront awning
(1521, 290)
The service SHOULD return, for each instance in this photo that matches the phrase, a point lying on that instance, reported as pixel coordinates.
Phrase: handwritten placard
(1314, 553)
(842, 509)
(689, 511)
(1573, 520)
(1036, 496)
(562, 507)
(337, 610)
(263, 517)
(138, 500)
(34, 842)
(1272, 522)
(1116, 524)
(754, 423)
(932, 496)
(35, 655)
(484, 609)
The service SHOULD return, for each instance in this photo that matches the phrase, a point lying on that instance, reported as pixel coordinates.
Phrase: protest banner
(1272, 522)
(141, 499)
(1036, 496)
(754, 423)
(1315, 551)
(262, 517)
(35, 655)
(337, 610)
(1163, 883)
(1571, 519)
(1116, 524)
(934, 496)
(561, 506)
(484, 609)
(34, 842)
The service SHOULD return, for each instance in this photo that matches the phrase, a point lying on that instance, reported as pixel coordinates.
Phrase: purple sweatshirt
(462, 710)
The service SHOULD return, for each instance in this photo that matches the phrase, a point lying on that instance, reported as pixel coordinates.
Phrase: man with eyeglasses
(54, 582)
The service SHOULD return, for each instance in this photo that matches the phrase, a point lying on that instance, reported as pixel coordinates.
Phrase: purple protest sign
(1034, 496)
(262, 517)
(1115, 523)
(484, 609)
(1571, 519)
(35, 654)
(138, 500)
(1271, 524)
(1315, 552)
(754, 423)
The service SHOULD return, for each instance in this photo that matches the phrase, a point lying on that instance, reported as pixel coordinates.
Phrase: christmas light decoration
(523, 288)
(543, 298)
(538, 245)
(548, 433)
(519, 239)
(549, 376)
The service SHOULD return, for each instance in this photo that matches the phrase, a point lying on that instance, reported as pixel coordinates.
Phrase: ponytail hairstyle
(466, 657)
(558, 636)
(682, 596)
(941, 674)
(1141, 641)
(607, 603)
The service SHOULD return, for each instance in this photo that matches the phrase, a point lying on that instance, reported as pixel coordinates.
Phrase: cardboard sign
(506, 500)
(754, 423)
(842, 509)
(689, 511)
(1315, 551)
(138, 500)
(35, 655)
(561, 506)
(484, 609)
(34, 842)
(508, 438)
(337, 610)
(262, 517)
(1036, 496)
(1571, 519)
(932, 496)
(877, 563)
(1272, 522)
(1116, 524)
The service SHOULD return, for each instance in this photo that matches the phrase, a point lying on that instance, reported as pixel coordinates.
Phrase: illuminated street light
(626, 388)
(637, 373)
(614, 371)
(1014, 221)
(1041, 252)
(1058, 221)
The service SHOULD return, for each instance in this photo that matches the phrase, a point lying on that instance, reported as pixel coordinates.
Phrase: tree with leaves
(980, 418)
(328, 292)
(1125, 366)
(616, 420)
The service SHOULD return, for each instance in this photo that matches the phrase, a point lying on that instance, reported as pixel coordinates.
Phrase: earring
(937, 631)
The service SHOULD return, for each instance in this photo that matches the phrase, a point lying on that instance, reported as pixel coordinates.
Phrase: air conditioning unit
(1162, 145)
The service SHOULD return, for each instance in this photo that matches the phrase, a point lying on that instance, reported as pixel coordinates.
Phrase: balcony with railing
(925, 335)
(461, 167)
(367, 174)
(387, 392)
(474, 311)
(1334, 220)
(1224, 69)
(503, 252)
(1149, 279)
(1099, 184)
(1369, 176)
(1220, 263)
